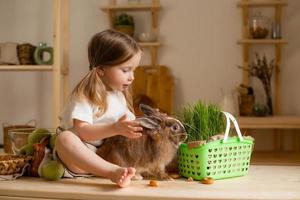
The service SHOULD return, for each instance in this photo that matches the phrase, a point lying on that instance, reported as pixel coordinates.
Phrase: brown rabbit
(150, 153)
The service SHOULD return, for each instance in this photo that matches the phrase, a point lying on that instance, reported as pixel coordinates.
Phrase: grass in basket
(202, 120)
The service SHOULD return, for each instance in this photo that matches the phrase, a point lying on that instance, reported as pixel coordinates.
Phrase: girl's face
(121, 76)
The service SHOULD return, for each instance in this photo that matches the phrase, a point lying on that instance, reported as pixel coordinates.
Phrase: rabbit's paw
(167, 178)
(164, 176)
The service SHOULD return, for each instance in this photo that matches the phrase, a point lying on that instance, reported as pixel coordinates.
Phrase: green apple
(52, 170)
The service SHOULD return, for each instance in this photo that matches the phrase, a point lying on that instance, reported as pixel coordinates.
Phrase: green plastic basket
(226, 158)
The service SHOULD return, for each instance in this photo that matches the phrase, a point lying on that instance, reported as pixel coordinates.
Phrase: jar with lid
(259, 26)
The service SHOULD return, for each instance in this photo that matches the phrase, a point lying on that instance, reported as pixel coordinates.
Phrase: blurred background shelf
(262, 41)
(262, 3)
(131, 7)
(26, 67)
(59, 68)
(279, 124)
(149, 44)
(272, 122)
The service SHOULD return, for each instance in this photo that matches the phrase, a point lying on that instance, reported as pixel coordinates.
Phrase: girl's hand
(162, 113)
(130, 129)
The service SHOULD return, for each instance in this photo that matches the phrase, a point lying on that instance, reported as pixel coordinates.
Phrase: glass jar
(259, 26)
(276, 31)
(229, 103)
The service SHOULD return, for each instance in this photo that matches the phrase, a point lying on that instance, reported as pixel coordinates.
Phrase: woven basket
(25, 128)
(25, 53)
(12, 164)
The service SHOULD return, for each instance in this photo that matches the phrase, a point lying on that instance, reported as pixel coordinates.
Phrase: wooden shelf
(26, 67)
(274, 122)
(278, 121)
(129, 7)
(262, 3)
(150, 44)
(261, 41)
(60, 14)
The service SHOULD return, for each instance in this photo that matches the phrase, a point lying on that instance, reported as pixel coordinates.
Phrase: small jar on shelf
(276, 31)
(259, 26)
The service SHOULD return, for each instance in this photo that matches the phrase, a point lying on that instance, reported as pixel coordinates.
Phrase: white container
(146, 37)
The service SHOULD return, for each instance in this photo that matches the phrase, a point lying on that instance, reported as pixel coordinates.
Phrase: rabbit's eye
(174, 127)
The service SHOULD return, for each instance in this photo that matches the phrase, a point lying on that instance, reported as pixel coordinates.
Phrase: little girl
(100, 107)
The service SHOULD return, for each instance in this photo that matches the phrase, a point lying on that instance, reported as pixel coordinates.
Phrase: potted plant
(208, 151)
(125, 24)
(263, 70)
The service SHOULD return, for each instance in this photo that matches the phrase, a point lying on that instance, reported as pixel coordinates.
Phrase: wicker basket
(26, 128)
(12, 164)
(25, 53)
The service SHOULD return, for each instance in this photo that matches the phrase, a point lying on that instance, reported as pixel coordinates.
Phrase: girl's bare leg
(80, 159)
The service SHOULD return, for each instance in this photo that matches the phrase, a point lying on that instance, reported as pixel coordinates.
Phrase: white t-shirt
(84, 111)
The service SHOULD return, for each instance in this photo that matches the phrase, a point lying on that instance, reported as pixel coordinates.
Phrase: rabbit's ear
(148, 123)
(147, 110)
(151, 113)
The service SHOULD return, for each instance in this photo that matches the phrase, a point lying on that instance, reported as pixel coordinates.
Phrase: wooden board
(155, 83)
(262, 182)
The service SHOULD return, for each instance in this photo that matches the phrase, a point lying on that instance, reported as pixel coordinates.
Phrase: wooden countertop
(262, 182)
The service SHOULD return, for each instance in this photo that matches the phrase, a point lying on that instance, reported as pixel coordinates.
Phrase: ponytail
(92, 89)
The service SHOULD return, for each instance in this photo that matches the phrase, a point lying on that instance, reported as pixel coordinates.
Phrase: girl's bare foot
(126, 179)
(122, 176)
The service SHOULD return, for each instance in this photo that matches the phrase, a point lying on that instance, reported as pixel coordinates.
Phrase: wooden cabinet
(277, 121)
(58, 70)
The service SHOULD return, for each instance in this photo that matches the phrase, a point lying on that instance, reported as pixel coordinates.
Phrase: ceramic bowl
(146, 37)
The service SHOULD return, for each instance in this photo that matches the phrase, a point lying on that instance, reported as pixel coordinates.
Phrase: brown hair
(106, 49)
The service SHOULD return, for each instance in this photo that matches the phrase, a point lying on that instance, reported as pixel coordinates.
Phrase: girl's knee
(65, 137)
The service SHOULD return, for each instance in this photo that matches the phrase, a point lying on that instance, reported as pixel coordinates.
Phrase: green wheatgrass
(202, 120)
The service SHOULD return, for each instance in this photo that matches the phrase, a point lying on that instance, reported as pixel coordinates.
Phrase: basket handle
(32, 122)
(230, 117)
(14, 149)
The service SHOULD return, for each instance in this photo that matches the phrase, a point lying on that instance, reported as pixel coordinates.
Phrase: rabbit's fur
(150, 153)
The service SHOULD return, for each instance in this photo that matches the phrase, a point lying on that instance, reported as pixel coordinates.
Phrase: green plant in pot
(208, 151)
(124, 23)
